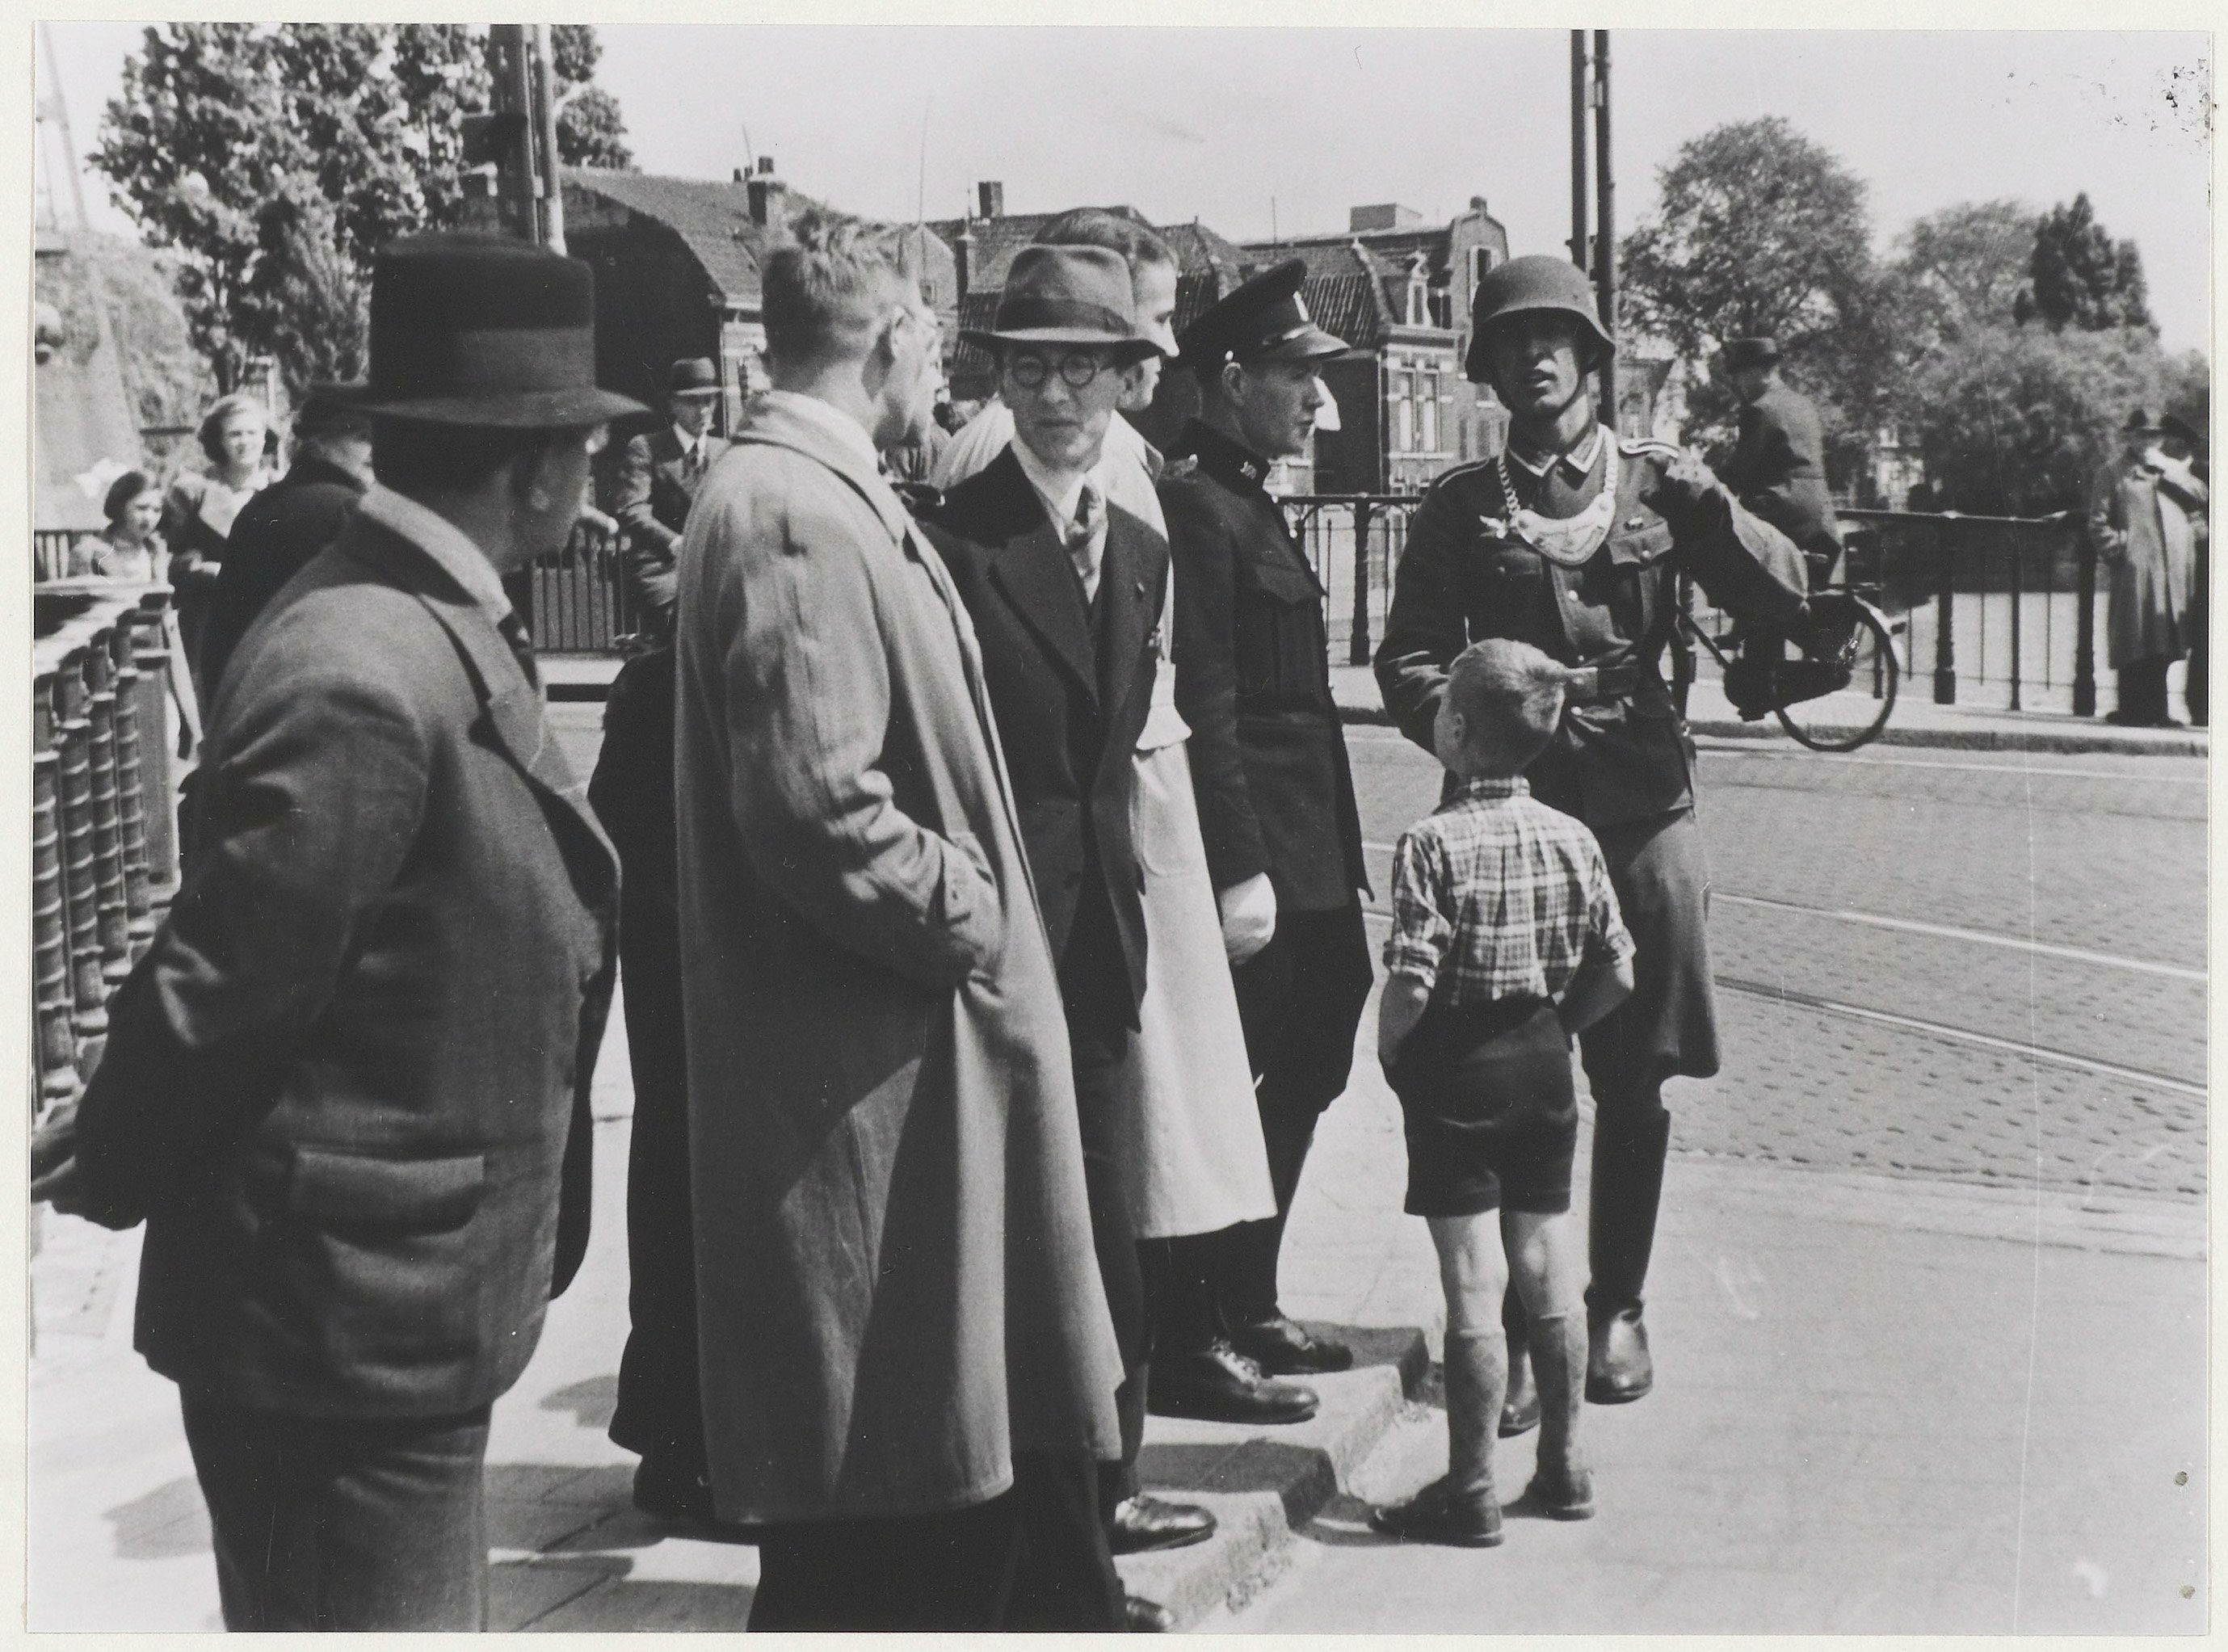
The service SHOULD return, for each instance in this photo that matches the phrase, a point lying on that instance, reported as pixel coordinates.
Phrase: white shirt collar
(451, 549)
(831, 421)
(1059, 494)
(1579, 459)
(688, 444)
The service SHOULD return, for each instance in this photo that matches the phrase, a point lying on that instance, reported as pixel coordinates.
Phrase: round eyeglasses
(1076, 369)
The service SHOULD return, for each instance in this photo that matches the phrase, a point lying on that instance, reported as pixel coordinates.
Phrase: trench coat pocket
(343, 1191)
(972, 909)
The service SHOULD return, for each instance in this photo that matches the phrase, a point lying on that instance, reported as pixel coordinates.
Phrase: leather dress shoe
(1568, 1496)
(676, 1495)
(1435, 1515)
(1219, 1384)
(1141, 1524)
(1283, 1348)
(1143, 1616)
(1618, 1367)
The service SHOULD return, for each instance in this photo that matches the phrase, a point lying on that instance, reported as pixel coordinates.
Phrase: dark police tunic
(1778, 471)
(1268, 757)
(1619, 761)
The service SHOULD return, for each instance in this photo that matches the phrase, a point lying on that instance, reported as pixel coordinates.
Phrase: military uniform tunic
(1620, 760)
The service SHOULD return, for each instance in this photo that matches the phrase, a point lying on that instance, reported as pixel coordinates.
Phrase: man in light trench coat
(908, 1363)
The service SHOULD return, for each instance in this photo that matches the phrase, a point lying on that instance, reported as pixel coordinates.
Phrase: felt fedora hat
(1067, 295)
(479, 329)
(692, 377)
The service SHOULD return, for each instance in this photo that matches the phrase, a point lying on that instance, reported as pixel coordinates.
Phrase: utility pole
(1580, 229)
(517, 139)
(549, 182)
(1605, 232)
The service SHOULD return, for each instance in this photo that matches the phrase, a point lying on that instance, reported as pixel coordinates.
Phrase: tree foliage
(1962, 268)
(2083, 278)
(273, 161)
(1761, 232)
(2013, 420)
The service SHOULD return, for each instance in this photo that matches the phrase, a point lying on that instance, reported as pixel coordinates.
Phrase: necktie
(1083, 538)
(514, 632)
(695, 467)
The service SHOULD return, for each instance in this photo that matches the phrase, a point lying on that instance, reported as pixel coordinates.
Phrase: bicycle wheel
(1854, 635)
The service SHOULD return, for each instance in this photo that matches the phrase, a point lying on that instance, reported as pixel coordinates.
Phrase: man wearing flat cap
(1778, 465)
(658, 481)
(1276, 796)
(1569, 540)
(347, 1086)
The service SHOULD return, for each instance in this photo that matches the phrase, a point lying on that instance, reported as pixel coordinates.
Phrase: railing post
(2084, 624)
(130, 797)
(1357, 648)
(107, 815)
(1945, 646)
(50, 957)
(158, 795)
(81, 871)
(2019, 593)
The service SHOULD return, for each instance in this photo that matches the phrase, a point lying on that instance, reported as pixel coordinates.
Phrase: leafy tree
(2013, 420)
(589, 130)
(1763, 231)
(1964, 267)
(2081, 277)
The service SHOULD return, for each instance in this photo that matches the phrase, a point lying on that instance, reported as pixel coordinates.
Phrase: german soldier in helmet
(1276, 799)
(1570, 540)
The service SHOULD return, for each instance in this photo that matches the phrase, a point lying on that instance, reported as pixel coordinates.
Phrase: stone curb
(1264, 1486)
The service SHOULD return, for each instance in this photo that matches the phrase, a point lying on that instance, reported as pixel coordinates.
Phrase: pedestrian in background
(237, 444)
(282, 527)
(1276, 809)
(2187, 477)
(131, 549)
(657, 479)
(2145, 533)
(1571, 540)
(347, 1086)
(1506, 944)
(1778, 469)
(908, 1364)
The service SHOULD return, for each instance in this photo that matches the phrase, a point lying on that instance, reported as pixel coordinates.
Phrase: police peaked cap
(1534, 282)
(1263, 320)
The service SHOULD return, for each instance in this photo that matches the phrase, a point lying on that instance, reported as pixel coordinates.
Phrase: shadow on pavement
(167, 1521)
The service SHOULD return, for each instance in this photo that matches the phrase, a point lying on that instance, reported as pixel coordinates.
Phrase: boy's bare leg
(1549, 1266)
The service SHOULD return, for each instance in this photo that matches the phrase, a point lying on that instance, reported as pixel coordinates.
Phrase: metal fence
(582, 604)
(1353, 542)
(103, 826)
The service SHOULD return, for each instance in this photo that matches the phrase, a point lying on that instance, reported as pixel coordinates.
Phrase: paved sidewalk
(1883, 1404)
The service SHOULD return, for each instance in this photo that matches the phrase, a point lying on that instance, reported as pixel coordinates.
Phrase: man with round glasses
(1064, 591)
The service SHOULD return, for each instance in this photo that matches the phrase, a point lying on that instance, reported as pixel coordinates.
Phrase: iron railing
(582, 603)
(104, 823)
(1353, 542)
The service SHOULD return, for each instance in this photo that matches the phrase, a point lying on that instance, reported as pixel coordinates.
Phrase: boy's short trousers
(1486, 1101)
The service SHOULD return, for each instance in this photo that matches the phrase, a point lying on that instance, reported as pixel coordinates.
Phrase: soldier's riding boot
(1630, 1140)
(1520, 1412)
(1563, 1487)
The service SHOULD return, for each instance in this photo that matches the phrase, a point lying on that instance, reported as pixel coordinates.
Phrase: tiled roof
(712, 217)
(1343, 304)
(996, 240)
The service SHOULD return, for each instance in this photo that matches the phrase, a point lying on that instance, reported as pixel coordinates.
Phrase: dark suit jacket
(348, 1079)
(1268, 753)
(273, 538)
(1779, 469)
(650, 497)
(1070, 686)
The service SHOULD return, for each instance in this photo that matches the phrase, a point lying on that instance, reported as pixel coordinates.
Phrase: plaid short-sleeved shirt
(1495, 895)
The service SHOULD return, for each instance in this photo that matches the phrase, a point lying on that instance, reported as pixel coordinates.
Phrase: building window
(1399, 428)
(1430, 409)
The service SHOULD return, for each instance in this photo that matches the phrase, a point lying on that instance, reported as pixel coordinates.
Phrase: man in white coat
(908, 1364)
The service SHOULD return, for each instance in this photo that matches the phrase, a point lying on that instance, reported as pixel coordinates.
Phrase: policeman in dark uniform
(1778, 465)
(1269, 766)
(1570, 541)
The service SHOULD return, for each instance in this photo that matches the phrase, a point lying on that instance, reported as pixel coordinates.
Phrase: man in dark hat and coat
(347, 1086)
(658, 481)
(1064, 591)
(2189, 476)
(1778, 465)
(1277, 808)
(1570, 540)
(2145, 521)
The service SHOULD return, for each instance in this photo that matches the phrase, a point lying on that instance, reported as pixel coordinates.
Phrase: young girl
(130, 550)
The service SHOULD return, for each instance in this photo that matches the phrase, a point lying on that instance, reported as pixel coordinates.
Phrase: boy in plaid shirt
(1506, 944)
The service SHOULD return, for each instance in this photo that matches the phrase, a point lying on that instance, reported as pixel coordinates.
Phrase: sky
(1252, 130)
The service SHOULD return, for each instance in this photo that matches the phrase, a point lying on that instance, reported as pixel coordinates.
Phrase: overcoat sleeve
(303, 822)
(809, 711)
(651, 546)
(1425, 626)
(1201, 562)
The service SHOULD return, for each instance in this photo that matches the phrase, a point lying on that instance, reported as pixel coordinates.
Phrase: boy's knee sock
(1477, 1382)
(1558, 1359)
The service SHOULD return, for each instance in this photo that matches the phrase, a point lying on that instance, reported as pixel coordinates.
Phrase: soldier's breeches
(1669, 1024)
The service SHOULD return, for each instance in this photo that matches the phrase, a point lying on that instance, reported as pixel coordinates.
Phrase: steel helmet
(1535, 282)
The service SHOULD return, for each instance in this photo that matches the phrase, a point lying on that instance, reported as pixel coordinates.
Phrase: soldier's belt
(1595, 685)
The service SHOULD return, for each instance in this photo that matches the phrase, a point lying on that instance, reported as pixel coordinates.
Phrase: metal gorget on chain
(1569, 541)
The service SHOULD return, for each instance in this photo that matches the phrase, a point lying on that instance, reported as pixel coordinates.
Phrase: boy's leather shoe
(1435, 1515)
(1284, 1348)
(1618, 1365)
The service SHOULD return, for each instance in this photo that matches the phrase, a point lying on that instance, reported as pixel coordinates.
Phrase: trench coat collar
(404, 542)
(812, 427)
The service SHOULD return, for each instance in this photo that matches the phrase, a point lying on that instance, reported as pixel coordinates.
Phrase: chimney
(993, 199)
(739, 174)
(769, 198)
(765, 166)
